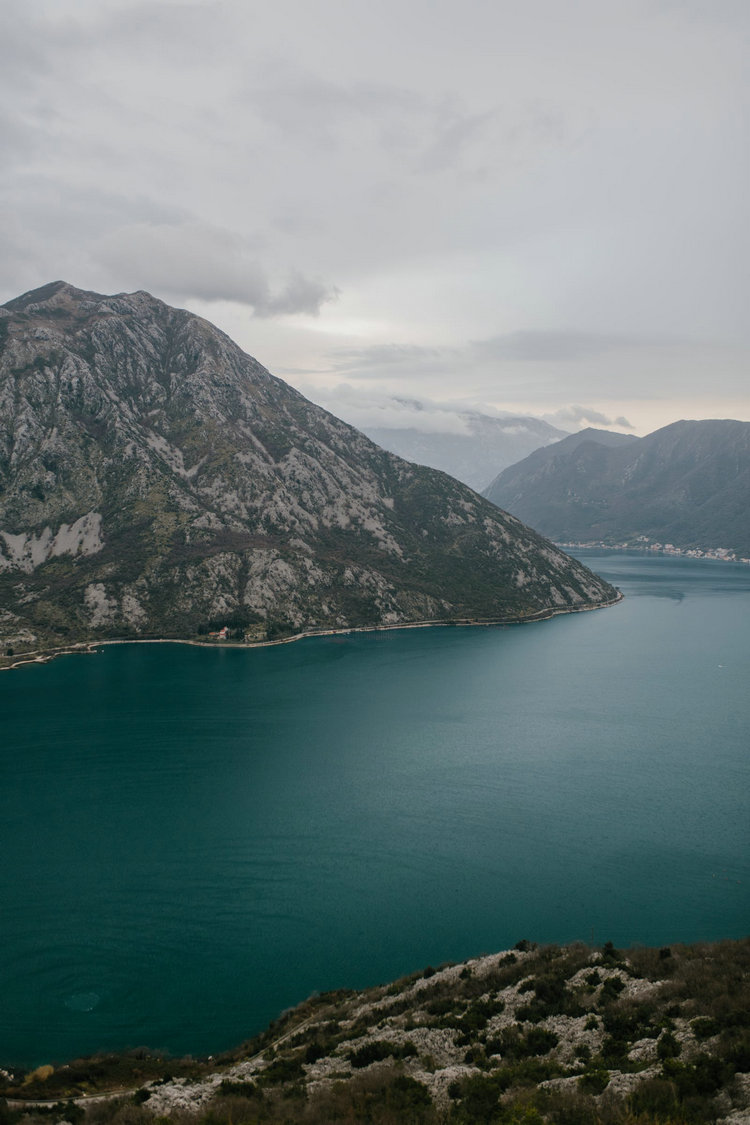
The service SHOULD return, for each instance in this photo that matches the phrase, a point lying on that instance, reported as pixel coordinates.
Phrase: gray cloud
(384, 355)
(542, 346)
(185, 259)
(299, 295)
(370, 409)
(205, 262)
(428, 134)
(707, 12)
(324, 112)
(14, 139)
(578, 417)
(551, 347)
(454, 131)
(21, 57)
(504, 365)
(569, 195)
(180, 33)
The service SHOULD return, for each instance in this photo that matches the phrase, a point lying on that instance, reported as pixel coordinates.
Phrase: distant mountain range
(487, 445)
(156, 480)
(687, 484)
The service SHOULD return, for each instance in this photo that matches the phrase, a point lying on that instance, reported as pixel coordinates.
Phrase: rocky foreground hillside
(687, 484)
(569, 1036)
(156, 480)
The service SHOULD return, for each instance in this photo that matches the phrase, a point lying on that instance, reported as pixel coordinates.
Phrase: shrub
(315, 1051)
(281, 1070)
(520, 1113)
(223, 1110)
(512, 1045)
(704, 1076)
(704, 1027)
(655, 1097)
(551, 998)
(614, 1052)
(378, 1049)
(738, 1051)
(474, 1019)
(475, 1056)
(408, 1094)
(611, 989)
(568, 1107)
(594, 1081)
(238, 1089)
(630, 1019)
(444, 1005)
(668, 1047)
(527, 1072)
(378, 1098)
(479, 1098)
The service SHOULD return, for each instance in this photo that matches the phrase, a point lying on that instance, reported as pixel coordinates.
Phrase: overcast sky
(520, 205)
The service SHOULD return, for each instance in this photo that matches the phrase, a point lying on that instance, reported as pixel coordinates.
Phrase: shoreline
(78, 648)
(711, 554)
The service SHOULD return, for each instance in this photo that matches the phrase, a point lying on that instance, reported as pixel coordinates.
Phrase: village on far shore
(643, 543)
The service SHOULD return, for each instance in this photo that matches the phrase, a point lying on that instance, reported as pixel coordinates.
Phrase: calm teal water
(193, 840)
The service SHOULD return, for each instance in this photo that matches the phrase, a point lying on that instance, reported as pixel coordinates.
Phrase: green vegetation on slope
(565, 1036)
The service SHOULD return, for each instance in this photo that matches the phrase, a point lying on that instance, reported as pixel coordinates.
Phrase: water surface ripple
(194, 839)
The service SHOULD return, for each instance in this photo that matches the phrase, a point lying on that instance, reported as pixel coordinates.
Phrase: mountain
(487, 444)
(156, 480)
(687, 485)
(541, 465)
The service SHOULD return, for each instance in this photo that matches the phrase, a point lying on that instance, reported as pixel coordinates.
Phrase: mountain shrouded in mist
(475, 454)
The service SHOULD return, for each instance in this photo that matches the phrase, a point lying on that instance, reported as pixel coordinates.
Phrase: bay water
(193, 839)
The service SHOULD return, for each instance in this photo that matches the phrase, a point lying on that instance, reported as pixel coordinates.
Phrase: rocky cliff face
(156, 480)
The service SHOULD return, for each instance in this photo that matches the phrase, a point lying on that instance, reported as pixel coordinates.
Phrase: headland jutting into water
(42, 656)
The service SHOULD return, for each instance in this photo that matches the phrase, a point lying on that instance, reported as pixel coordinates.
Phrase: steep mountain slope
(538, 466)
(488, 445)
(687, 484)
(154, 479)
